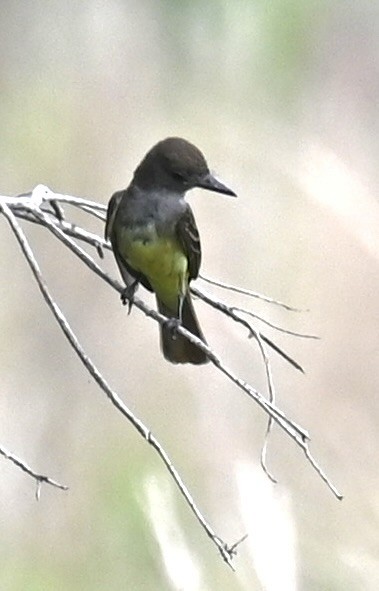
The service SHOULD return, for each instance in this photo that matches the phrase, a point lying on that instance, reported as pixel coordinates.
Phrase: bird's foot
(127, 295)
(172, 324)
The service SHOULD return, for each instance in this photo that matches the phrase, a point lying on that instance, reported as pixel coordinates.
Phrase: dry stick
(257, 335)
(266, 361)
(78, 232)
(49, 195)
(274, 413)
(228, 311)
(271, 390)
(248, 292)
(97, 214)
(98, 210)
(293, 430)
(84, 256)
(225, 551)
(301, 441)
(269, 408)
(296, 432)
(93, 208)
(39, 478)
(67, 227)
(272, 325)
(289, 426)
(267, 365)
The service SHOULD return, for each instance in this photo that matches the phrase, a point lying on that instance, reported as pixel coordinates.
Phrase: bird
(156, 242)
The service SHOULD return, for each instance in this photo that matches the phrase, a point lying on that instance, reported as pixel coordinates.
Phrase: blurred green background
(282, 97)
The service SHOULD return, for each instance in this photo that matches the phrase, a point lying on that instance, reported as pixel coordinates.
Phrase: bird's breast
(148, 252)
(146, 239)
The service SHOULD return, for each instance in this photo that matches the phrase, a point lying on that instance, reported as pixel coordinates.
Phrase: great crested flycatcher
(155, 239)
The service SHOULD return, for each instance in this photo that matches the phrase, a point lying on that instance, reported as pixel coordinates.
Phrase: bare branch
(35, 207)
(300, 335)
(229, 311)
(271, 390)
(278, 415)
(39, 478)
(112, 396)
(249, 292)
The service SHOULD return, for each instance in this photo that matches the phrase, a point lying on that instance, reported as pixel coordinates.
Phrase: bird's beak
(212, 184)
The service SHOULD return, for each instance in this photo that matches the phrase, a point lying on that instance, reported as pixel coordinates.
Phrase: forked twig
(249, 293)
(113, 397)
(39, 478)
(229, 311)
(33, 207)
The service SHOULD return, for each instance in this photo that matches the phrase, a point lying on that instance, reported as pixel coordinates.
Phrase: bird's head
(176, 165)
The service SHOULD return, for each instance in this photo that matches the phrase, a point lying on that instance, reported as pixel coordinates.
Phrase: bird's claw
(172, 325)
(127, 295)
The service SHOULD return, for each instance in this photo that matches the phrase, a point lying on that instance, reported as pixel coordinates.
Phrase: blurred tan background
(282, 97)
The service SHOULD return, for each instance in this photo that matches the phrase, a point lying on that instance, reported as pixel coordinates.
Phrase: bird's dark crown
(174, 164)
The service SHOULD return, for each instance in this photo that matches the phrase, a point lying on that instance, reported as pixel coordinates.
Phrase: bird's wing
(188, 236)
(111, 213)
(129, 275)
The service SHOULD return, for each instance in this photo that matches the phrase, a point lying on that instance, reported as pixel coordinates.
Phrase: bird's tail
(176, 347)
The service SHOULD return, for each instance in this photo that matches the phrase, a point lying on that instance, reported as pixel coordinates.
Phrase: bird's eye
(178, 177)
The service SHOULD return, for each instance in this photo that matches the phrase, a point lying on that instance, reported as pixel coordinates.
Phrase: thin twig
(39, 478)
(68, 228)
(112, 396)
(271, 389)
(249, 292)
(300, 335)
(284, 421)
(228, 311)
(294, 430)
(233, 549)
(97, 214)
(31, 207)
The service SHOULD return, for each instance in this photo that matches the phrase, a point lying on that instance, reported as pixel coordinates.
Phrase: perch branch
(34, 207)
(225, 551)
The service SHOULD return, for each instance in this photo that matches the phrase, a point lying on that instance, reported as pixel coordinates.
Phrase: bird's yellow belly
(162, 261)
